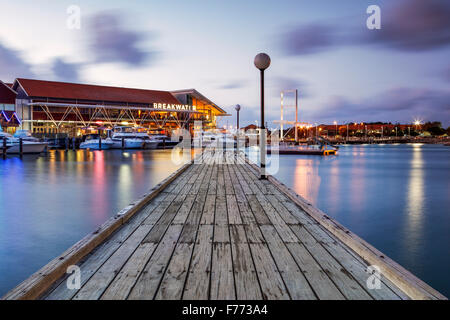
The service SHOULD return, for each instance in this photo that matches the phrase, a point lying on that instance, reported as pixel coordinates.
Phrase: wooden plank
(237, 234)
(254, 234)
(258, 211)
(184, 210)
(284, 213)
(294, 279)
(212, 189)
(198, 279)
(355, 267)
(120, 287)
(244, 209)
(159, 210)
(283, 229)
(245, 187)
(227, 178)
(233, 211)
(247, 284)
(148, 282)
(220, 180)
(322, 285)
(172, 284)
(94, 261)
(161, 226)
(97, 284)
(221, 217)
(222, 279)
(221, 234)
(349, 287)
(272, 285)
(209, 209)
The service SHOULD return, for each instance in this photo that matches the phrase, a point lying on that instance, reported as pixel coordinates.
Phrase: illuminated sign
(170, 106)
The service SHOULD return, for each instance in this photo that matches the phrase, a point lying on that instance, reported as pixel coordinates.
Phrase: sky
(344, 71)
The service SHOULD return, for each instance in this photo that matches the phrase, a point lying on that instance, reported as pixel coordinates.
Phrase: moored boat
(13, 145)
(94, 142)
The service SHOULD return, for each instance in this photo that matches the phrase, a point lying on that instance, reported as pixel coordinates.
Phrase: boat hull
(129, 144)
(27, 148)
(95, 145)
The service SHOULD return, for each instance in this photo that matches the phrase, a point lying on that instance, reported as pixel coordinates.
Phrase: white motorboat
(93, 142)
(129, 138)
(25, 135)
(13, 145)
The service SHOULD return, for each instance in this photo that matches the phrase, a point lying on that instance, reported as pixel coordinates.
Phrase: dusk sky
(343, 70)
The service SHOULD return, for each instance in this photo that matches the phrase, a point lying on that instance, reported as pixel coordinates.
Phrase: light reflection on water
(49, 202)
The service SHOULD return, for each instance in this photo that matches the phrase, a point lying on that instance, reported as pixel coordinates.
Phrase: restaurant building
(59, 107)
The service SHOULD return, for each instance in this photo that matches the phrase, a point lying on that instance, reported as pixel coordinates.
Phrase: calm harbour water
(397, 197)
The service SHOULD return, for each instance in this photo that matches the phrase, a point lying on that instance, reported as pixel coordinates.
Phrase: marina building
(59, 107)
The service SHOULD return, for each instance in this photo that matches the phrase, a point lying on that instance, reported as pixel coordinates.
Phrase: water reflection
(49, 202)
(307, 179)
(415, 197)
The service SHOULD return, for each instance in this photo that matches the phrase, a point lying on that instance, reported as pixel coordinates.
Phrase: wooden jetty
(215, 231)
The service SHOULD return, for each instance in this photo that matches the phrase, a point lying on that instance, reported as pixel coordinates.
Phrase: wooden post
(164, 143)
(4, 147)
(123, 143)
(21, 147)
(99, 143)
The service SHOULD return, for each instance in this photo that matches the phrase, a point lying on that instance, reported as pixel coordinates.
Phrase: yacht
(13, 145)
(92, 142)
(130, 137)
(163, 141)
(25, 135)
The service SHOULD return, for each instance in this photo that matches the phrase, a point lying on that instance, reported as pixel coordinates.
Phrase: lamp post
(262, 62)
(237, 108)
(335, 133)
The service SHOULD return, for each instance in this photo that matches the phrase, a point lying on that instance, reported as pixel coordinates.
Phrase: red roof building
(51, 106)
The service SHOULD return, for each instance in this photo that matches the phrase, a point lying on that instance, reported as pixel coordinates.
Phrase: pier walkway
(215, 231)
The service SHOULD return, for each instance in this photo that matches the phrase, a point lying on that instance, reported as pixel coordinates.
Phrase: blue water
(47, 203)
(397, 197)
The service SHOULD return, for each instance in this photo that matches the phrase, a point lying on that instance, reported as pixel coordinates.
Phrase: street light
(237, 108)
(335, 133)
(262, 62)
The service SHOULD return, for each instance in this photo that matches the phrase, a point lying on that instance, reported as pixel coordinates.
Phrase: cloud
(237, 84)
(413, 26)
(446, 74)
(111, 42)
(65, 71)
(291, 83)
(308, 39)
(12, 65)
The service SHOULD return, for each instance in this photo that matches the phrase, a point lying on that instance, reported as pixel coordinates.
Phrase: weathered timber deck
(215, 231)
